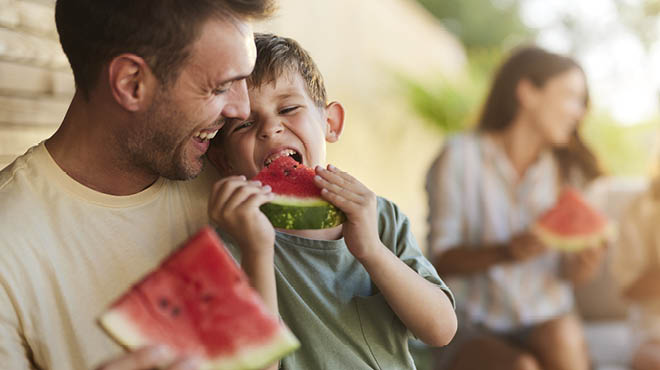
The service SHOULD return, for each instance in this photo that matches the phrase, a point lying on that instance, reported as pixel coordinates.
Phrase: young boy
(349, 293)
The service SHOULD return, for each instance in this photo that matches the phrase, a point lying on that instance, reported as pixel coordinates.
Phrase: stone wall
(35, 80)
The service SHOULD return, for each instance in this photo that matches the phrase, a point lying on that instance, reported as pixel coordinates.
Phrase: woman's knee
(565, 332)
(525, 361)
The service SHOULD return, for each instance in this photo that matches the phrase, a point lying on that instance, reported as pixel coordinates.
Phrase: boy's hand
(234, 206)
(358, 203)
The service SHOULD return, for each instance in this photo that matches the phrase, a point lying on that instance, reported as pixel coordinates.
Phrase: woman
(485, 190)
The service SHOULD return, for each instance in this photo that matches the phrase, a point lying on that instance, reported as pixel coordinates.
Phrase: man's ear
(131, 82)
(334, 119)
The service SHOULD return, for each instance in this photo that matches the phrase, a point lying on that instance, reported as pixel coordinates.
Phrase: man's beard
(156, 145)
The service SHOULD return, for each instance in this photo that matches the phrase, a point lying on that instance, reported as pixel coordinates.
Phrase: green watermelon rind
(573, 243)
(293, 213)
(248, 358)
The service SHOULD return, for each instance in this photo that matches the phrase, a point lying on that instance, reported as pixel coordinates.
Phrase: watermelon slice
(198, 302)
(572, 224)
(298, 203)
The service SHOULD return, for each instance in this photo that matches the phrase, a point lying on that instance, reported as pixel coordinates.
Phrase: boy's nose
(270, 128)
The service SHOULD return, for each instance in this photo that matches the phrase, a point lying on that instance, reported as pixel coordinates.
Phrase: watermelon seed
(207, 298)
(176, 311)
(163, 303)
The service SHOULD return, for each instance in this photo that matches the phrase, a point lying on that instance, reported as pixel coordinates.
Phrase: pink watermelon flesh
(288, 177)
(198, 302)
(572, 223)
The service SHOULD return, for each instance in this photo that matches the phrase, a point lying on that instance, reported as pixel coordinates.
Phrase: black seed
(163, 303)
(207, 298)
(176, 311)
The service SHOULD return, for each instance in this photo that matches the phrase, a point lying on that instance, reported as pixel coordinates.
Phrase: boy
(349, 293)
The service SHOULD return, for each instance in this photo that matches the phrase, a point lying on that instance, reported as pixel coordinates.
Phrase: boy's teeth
(283, 153)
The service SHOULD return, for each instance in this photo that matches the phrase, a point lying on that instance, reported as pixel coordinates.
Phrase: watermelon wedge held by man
(199, 303)
(572, 224)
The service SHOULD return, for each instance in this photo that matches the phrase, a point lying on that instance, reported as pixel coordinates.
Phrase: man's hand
(358, 203)
(149, 358)
(234, 206)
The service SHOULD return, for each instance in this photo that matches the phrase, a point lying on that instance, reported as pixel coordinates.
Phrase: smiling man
(91, 209)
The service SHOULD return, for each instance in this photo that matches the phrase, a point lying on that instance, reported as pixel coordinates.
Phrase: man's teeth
(283, 153)
(205, 135)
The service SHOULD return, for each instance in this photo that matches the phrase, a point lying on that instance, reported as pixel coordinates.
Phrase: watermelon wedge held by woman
(572, 224)
(298, 203)
(198, 302)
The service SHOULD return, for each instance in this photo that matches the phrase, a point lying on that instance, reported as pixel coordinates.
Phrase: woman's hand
(525, 246)
(579, 267)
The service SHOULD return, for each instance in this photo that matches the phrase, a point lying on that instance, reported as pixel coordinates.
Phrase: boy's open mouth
(286, 152)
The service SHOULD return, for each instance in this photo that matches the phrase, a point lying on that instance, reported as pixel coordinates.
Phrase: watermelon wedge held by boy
(572, 224)
(298, 203)
(198, 302)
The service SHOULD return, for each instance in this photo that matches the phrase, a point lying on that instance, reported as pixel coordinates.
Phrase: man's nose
(238, 102)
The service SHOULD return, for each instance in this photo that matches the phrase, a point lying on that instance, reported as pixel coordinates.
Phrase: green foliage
(621, 150)
(480, 23)
(452, 104)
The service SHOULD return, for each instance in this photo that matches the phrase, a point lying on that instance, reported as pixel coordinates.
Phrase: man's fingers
(186, 364)
(142, 359)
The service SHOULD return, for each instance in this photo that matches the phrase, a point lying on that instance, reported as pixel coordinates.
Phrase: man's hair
(278, 55)
(162, 32)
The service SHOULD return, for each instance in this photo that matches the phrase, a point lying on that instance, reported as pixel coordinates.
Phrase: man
(96, 206)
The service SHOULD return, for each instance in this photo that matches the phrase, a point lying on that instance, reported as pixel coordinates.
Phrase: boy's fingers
(225, 188)
(240, 195)
(257, 199)
(337, 189)
(338, 200)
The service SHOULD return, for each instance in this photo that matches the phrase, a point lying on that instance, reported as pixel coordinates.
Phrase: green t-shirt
(327, 299)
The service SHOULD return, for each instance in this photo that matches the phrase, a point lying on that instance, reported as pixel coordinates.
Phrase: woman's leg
(559, 344)
(647, 356)
(492, 353)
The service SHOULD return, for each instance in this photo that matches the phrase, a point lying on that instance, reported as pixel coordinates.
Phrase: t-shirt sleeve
(444, 190)
(13, 353)
(395, 233)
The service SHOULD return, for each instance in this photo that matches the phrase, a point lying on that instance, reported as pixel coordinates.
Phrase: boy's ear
(131, 82)
(334, 119)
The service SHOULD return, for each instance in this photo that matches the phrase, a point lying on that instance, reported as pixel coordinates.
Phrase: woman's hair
(537, 66)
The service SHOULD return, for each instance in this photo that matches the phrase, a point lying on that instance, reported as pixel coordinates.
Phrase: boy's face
(283, 121)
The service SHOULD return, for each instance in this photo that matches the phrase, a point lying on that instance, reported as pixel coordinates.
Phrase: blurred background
(410, 73)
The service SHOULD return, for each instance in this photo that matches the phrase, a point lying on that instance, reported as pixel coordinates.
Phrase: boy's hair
(92, 32)
(277, 55)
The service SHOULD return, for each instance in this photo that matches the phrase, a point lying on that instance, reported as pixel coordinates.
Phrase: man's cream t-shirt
(67, 251)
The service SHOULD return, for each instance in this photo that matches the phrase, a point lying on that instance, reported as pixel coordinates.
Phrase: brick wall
(36, 83)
